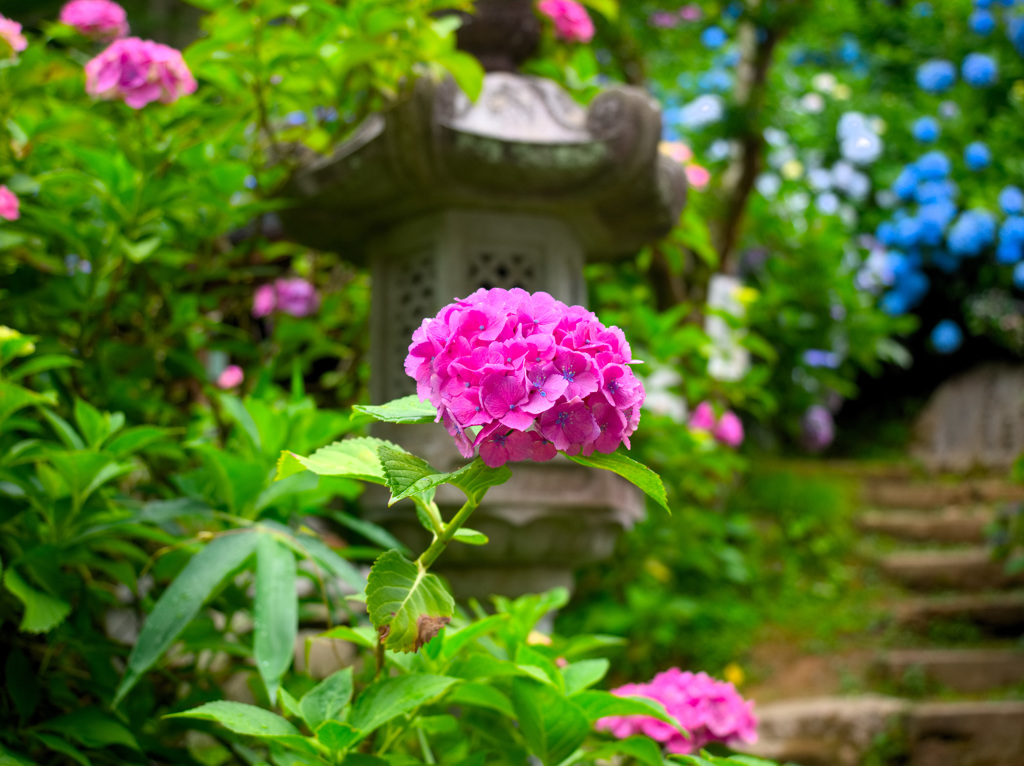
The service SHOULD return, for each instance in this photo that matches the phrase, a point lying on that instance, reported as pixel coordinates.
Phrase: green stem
(429, 556)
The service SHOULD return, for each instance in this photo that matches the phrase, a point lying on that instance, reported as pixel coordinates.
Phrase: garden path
(938, 678)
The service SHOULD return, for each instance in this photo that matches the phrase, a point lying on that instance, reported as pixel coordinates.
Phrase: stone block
(963, 670)
(966, 734)
(969, 569)
(950, 525)
(994, 613)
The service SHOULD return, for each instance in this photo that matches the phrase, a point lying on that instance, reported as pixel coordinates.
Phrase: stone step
(842, 731)
(966, 734)
(994, 613)
(962, 670)
(969, 569)
(951, 525)
(825, 731)
(933, 495)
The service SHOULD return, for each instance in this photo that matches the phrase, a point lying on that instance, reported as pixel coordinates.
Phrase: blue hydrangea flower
(933, 166)
(977, 156)
(983, 4)
(936, 76)
(973, 231)
(908, 232)
(849, 50)
(979, 70)
(941, 212)
(886, 233)
(922, 10)
(1015, 31)
(906, 182)
(947, 336)
(928, 192)
(713, 38)
(1018, 275)
(715, 80)
(816, 357)
(926, 130)
(982, 22)
(1011, 241)
(1011, 200)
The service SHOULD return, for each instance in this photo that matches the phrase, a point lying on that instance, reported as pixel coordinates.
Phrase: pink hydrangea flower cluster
(727, 429)
(534, 375)
(296, 297)
(11, 39)
(710, 710)
(139, 72)
(571, 20)
(101, 20)
(697, 175)
(10, 207)
(231, 377)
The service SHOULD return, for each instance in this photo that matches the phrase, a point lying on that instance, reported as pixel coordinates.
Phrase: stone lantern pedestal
(440, 196)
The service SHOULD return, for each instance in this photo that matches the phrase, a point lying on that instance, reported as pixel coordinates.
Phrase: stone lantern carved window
(491, 266)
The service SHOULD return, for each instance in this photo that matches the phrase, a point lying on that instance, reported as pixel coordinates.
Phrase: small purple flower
(817, 428)
(296, 297)
(816, 357)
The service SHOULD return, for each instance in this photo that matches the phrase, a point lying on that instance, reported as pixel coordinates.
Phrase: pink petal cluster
(9, 205)
(11, 37)
(296, 297)
(697, 175)
(572, 23)
(232, 376)
(534, 375)
(139, 72)
(710, 710)
(727, 429)
(101, 20)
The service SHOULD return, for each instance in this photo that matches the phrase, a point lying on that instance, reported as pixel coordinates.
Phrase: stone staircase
(943, 683)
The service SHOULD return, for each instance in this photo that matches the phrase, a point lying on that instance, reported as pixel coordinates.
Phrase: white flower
(812, 103)
(703, 110)
(827, 203)
(863, 149)
(824, 82)
(819, 179)
(768, 184)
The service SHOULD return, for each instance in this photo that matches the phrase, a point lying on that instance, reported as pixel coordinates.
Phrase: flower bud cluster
(534, 375)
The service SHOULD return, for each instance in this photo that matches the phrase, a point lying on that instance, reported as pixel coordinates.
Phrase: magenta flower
(100, 20)
(572, 23)
(232, 377)
(264, 301)
(710, 710)
(703, 418)
(690, 12)
(10, 207)
(12, 41)
(729, 430)
(296, 297)
(534, 375)
(139, 72)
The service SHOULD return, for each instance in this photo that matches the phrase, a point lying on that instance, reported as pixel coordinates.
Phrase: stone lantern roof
(524, 146)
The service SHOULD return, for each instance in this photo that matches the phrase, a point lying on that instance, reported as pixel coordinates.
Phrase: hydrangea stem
(429, 556)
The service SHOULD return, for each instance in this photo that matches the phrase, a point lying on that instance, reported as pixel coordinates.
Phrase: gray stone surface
(963, 569)
(967, 734)
(995, 613)
(888, 493)
(950, 525)
(974, 420)
(963, 670)
(826, 731)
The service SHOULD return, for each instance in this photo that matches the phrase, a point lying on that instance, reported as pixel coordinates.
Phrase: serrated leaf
(552, 725)
(476, 478)
(482, 695)
(43, 612)
(630, 470)
(642, 749)
(352, 458)
(328, 700)
(181, 602)
(242, 719)
(337, 736)
(406, 474)
(276, 615)
(387, 698)
(406, 605)
(14, 398)
(408, 409)
(135, 439)
(470, 537)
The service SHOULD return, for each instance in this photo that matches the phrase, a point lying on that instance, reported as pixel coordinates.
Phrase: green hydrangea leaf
(408, 409)
(407, 605)
(630, 470)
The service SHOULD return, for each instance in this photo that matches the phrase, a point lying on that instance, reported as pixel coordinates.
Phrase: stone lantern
(440, 196)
